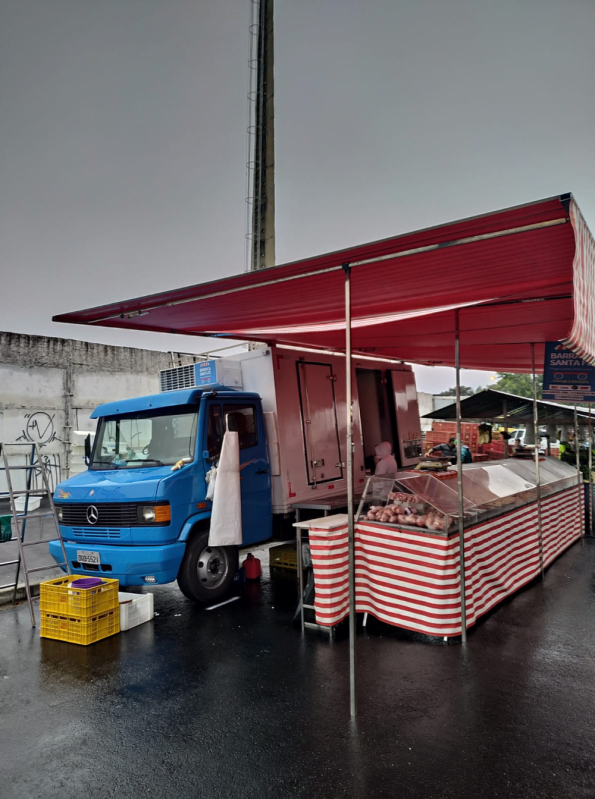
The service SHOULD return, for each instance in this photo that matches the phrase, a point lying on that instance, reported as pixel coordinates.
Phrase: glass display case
(428, 502)
(554, 474)
(496, 489)
(415, 501)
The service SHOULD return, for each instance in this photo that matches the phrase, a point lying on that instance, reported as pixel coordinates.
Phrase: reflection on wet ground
(234, 703)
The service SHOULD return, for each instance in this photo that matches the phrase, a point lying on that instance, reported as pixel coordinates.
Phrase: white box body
(297, 384)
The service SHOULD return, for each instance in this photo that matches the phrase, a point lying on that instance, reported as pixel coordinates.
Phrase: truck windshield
(149, 438)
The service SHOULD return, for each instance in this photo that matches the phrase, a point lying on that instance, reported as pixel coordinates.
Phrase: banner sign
(566, 376)
(206, 372)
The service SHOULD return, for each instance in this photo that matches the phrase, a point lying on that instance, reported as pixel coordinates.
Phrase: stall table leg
(300, 568)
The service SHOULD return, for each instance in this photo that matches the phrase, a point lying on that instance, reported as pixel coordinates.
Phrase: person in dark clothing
(466, 454)
(446, 450)
(519, 450)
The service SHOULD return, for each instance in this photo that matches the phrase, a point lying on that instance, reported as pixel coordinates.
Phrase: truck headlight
(154, 514)
(59, 513)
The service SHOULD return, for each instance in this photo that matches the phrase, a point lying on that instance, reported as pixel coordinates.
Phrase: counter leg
(300, 567)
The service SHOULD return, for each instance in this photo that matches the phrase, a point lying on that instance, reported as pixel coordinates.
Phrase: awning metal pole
(350, 519)
(537, 476)
(590, 474)
(460, 484)
(579, 474)
(577, 452)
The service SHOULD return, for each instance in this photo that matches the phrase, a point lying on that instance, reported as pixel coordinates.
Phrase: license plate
(83, 556)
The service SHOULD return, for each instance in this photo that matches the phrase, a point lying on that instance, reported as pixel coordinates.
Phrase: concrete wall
(49, 386)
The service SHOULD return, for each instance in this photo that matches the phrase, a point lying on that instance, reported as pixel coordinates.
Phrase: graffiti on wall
(39, 428)
(52, 467)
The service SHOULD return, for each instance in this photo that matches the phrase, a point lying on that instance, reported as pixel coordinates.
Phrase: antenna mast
(262, 129)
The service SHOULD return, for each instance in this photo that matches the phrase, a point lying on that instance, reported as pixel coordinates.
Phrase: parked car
(520, 433)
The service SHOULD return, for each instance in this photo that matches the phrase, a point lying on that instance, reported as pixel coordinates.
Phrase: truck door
(407, 416)
(246, 417)
(319, 421)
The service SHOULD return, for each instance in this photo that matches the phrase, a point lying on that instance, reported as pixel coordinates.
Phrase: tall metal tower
(262, 114)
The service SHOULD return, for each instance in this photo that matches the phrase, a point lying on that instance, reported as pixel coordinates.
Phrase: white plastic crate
(135, 609)
(19, 503)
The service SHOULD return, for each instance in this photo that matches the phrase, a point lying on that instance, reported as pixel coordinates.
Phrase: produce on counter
(396, 514)
(402, 496)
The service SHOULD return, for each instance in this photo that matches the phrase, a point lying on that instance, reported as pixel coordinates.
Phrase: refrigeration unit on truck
(139, 512)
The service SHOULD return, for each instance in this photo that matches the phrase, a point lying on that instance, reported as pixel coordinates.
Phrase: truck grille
(110, 514)
(96, 532)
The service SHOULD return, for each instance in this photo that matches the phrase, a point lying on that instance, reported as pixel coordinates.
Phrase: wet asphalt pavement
(234, 703)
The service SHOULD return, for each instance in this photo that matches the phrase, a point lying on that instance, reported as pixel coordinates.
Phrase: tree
(466, 391)
(521, 385)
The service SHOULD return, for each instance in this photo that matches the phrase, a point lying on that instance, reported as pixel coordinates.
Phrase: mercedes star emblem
(92, 514)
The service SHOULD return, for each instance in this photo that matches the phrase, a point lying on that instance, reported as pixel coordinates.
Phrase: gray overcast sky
(123, 144)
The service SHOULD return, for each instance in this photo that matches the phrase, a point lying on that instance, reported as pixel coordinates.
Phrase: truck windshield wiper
(149, 460)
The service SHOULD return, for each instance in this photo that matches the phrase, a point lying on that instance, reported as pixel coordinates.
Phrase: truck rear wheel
(207, 573)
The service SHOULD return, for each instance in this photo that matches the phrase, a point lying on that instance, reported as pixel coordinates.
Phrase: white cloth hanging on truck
(226, 515)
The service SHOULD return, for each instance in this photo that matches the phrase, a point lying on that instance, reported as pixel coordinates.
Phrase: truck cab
(139, 512)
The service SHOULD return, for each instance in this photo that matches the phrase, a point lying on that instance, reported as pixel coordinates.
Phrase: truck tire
(207, 573)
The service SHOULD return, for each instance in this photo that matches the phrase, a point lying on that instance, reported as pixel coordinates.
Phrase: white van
(520, 433)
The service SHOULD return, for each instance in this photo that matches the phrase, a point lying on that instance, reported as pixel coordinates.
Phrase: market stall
(407, 544)
(496, 287)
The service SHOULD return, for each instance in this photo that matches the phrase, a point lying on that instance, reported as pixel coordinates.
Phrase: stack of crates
(495, 450)
(442, 431)
(283, 561)
(79, 615)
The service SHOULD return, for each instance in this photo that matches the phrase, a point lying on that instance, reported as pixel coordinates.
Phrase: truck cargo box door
(407, 416)
(319, 422)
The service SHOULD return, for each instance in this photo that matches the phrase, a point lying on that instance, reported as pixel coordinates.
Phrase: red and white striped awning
(520, 276)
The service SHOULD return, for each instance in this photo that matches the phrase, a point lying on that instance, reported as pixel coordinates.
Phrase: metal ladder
(35, 465)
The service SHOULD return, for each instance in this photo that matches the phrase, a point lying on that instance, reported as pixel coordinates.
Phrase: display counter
(407, 543)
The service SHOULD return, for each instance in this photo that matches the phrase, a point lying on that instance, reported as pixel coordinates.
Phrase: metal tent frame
(498, 268)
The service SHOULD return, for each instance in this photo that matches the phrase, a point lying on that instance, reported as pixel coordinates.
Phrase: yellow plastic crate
(80, 631)
(57, 598)
(283, 557)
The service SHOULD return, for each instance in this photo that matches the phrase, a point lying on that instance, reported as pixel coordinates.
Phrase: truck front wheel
(207, 573)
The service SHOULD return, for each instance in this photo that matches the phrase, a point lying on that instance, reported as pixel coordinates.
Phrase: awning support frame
(537, 474)
(350, 491)
(579, 474)
(460, 483)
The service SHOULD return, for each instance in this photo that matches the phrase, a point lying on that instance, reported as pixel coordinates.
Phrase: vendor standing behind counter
(450, 451)
(385, 460)
(446, 450)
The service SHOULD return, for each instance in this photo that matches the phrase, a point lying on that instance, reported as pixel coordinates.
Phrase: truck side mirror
(88, 449)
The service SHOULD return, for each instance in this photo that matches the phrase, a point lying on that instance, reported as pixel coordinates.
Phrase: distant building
(49, 386)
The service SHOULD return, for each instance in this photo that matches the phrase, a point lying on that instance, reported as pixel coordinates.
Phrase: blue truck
(140, 513)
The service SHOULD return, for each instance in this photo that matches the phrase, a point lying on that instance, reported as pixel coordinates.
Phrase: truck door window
(243, 419)
(215, 430)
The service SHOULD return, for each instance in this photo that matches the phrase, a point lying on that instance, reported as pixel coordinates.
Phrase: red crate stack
(442, 431)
